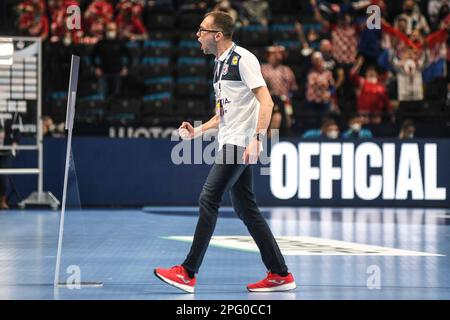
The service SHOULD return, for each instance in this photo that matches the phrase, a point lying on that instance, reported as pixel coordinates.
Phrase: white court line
(299, 246)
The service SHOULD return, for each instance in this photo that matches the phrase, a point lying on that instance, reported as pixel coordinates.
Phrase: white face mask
(334, 134)
(67, 41)
(410, 66)
(355, 127)
(111, 34)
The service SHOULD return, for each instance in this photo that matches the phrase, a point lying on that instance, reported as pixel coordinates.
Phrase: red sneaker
(177, 277)
(273, 282)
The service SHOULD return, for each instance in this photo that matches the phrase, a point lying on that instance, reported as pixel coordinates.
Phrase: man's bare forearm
(211, 124)
(265, 110)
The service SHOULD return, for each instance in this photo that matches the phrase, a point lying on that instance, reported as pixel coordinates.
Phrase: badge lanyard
(219, 91)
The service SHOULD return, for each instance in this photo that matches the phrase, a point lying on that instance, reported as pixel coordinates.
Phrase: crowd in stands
(325, 67)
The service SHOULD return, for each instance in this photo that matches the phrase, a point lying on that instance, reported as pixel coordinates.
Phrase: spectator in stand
(320, 87)
(107, 56)
(9, 137)
(280, 81)
(58, 26)
(160, 5)
(344, 40)
(408, 130)
(312, 39)
(129, 20)
(33, 19)
(330, 64)
(328, 130)
(255, 12)
(225, 6)
(193, 5)
(409, 79)
(395, 44)
(436, 9)
(344, 36)
(49, 129)
(414, 18)
(355, 129)
(372, 98)
(97, 15)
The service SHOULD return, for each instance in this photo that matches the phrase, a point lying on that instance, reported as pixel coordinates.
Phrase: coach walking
(243, 112)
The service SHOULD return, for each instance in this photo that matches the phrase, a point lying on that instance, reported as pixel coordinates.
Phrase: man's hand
(186, 131)
(252, 152)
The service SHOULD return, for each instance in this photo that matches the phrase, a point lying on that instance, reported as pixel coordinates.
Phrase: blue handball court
(381, 234)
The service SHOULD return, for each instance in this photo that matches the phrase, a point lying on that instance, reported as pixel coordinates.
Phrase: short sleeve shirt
(241, 72)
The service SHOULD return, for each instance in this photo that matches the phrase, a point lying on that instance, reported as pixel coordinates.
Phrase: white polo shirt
(241, 73)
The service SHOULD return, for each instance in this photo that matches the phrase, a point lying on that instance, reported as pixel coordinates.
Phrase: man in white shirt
(243, 112)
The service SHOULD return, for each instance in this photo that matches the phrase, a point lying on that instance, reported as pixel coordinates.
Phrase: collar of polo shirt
(224, 55)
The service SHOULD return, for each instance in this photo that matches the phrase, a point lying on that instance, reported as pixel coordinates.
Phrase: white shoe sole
(180, 286)
(284, 287)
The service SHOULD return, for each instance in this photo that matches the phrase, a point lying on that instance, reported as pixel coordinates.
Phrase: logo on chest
(225, 101)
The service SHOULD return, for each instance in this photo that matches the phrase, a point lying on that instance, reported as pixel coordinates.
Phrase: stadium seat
(253, 35)
(192, 67)
(90, 111)
(284, 19)
(158, 84)
(88, 87)
(283, 32)
(192, 107)
(157, 21)
(167, 35)
(157, 107)
(190, 21)
(125, 106)
(191, 87)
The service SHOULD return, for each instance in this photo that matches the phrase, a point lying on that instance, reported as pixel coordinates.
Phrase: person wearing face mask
(328, 130)
(331, 131)
(372, 97)
(408, 130)
(409, 80)
(320, 87)
(414, 19)
(355, 129)
(107, 57)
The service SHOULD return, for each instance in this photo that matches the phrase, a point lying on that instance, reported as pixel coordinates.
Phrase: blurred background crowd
(330, 74)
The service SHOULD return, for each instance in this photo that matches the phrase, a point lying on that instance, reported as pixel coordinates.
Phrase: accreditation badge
(219, 108)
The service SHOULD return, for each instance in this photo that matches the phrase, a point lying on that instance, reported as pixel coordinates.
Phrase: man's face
(332, 131)
(372, 75)
(402, 25)
(317, 62)
(275, 58)
(325, 48)
(111, 31)
(408, 6)
(207, 38)
(356, 123)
